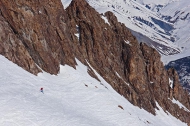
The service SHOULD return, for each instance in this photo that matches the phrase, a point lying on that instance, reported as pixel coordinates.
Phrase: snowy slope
(155, 5)
(176, 12)
(66, 3)
(179, 12)
(67, 101)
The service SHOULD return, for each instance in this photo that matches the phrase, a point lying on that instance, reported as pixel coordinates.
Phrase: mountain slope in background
(176, 12)
(183, 68)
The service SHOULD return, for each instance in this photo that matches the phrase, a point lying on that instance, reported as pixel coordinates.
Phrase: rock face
(12, 47)
(40, 26)
(45, 34)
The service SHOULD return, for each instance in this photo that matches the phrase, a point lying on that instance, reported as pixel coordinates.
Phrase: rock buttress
(41, 27)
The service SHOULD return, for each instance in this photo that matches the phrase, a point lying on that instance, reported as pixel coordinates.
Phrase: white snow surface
(179, 104)
(67, 101)
(127, 42)
(152, 3)
(105, 19)
(179, 10)
(66, 3)
(171, 83)
(78, 32)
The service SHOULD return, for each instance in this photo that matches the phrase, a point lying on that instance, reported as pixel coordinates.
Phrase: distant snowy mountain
(72, 98)
(183, 67)
(155, 5)
(176, 12)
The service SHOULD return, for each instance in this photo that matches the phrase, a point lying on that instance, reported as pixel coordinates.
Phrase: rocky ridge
(43, 35)
(41, 28)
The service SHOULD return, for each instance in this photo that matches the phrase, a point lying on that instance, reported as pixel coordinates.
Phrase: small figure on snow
(41, 90)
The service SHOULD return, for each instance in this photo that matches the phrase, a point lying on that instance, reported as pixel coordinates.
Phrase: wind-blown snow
(71, 98)
(66, 3)
(180, 105)
(78, 32)
(171, 83)
(127, 42)
(105, 19)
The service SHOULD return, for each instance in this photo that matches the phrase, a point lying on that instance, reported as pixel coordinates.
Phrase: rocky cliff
(39, 27)
(41, 34)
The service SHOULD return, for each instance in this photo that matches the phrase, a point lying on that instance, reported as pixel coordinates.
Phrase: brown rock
(13, 49)
(120, 107)
(40, 26)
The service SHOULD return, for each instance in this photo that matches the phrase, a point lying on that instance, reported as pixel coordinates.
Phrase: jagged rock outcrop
(165, 85)
(112, 51)
(13, 48)
(46, 34)
(134, 70)
(40, 26)
(139, 66)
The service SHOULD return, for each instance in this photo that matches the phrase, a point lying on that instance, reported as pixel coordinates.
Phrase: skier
(41, 90)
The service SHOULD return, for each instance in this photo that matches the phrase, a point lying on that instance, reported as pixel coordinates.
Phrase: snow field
(71, 98)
